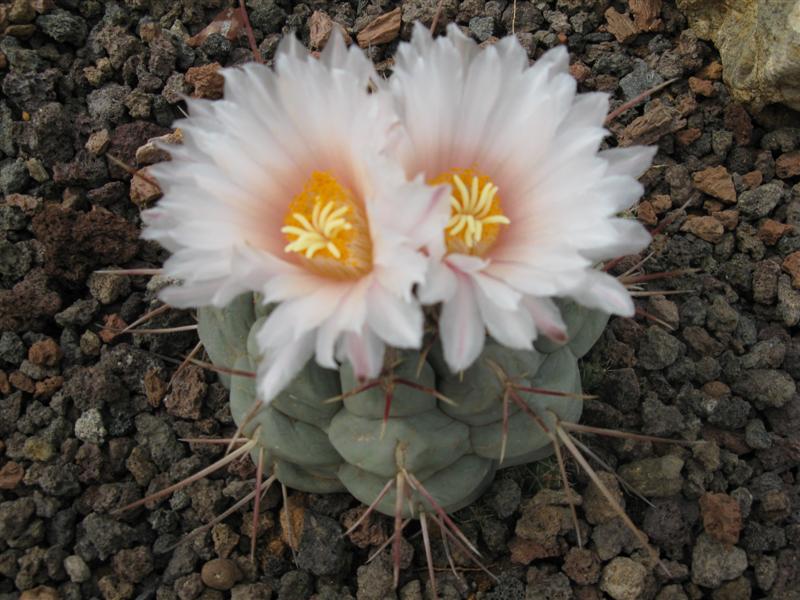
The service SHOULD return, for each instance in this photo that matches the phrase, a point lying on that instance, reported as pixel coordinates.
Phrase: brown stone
(207, 81)
(646, 213)
(722, 517)
(155, 388)
(189, 387)
(687, 136)
(738, 121)
(151, 152)
(144, 189)
(44, 389)
(659, 121)
(579, 71)
(10, 475)
(701, 87)
(5, 386)
(27, 204)
(381, 30)
(98, 142)
(227, 23)
(45, 353)
(620, 26)
(582, 566)
(706, 228)
(771, 231)
(716, 182)
(21, 381)
(645, 14)
(371, 532)
(112, 325)
(728, 218)
(42, 592)
(752, 179)
(661, 202)
(788, 165)
(524, 552)
(712, 71)
(596, 507)
(320, 26)
(791, 264)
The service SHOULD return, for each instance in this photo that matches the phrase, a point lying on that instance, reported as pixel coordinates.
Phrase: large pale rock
(759, 42)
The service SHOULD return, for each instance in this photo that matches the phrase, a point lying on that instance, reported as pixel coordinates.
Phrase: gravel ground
(85, 425)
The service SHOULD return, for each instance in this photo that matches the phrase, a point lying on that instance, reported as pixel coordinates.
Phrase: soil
(88, 422)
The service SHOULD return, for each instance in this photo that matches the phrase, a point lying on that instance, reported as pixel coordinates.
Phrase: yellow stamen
(475, 212)
(325, 225)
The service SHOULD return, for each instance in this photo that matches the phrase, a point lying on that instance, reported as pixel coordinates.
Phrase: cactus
(328, 432)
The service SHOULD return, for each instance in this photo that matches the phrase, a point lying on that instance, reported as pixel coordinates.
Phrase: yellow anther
(325, 224)
(475, 213)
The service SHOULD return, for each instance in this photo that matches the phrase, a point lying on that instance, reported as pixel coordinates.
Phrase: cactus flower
(281, 188)
(533, 200)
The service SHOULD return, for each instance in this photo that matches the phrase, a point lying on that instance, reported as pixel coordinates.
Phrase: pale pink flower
(534, 201)
(281, 188)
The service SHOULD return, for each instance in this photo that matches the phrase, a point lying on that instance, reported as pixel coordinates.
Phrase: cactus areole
(328, 432)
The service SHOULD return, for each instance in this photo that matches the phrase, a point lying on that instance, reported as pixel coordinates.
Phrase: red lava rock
(21, 381)
(738, 121)
(5, 386)
(42, 592)
(371, 532)
(722, 517)
(791, 264)
(144, 189)
(687, 136)
(620, 26)
(771, 231)
(706, 228)
(381, 30)
(44, 389)
(27, 204)
(712, 71)
(752, 179)
(659, 121)
(126, 140)
(646, 213)
(207, 82)
(113, 324)
(524, 552)
(188, 390)
(28, 302)
(155, 388)
(701, 87)
(76, 243)
(45, 353)
(228, 23)
(788, 165)
(579, 71)
(10, 475)
(582, 566)
(728, 218)
(716, 182)
(645, 14)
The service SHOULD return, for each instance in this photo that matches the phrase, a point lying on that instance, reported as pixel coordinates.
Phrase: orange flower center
(475, 212)
(326, 227)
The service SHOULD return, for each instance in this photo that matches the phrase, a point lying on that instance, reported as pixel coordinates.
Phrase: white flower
(281, 189)
(533, 202)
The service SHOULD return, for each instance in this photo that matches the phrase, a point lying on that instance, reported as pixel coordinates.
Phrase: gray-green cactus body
(452, 444)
